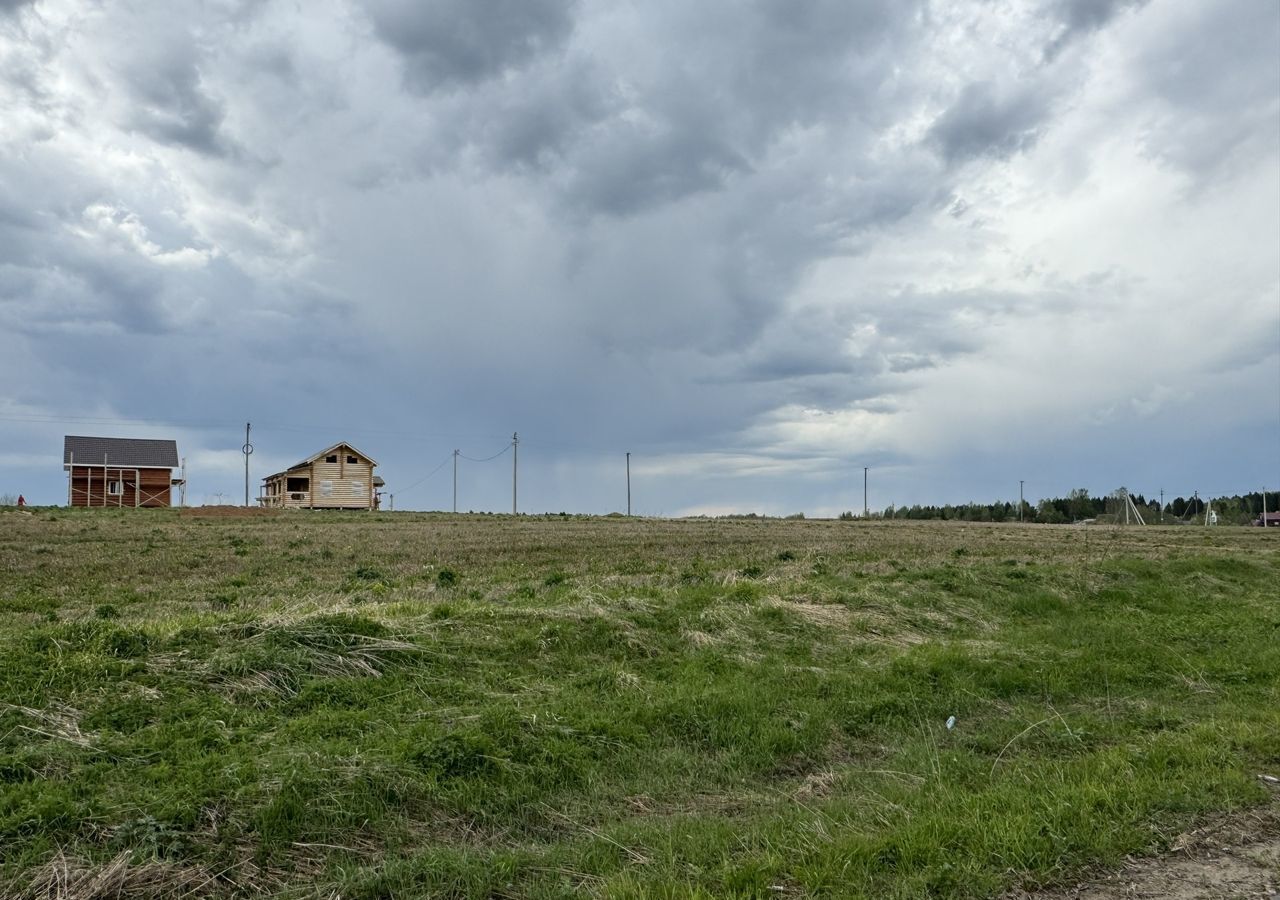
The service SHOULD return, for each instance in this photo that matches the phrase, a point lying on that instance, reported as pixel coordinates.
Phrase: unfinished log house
(339, 477)
(120, 472)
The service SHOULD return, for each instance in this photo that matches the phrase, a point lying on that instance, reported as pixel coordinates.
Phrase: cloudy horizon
(758, 245)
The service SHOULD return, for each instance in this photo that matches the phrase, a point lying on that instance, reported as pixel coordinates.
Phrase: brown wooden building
(119, 472)
(339, 477)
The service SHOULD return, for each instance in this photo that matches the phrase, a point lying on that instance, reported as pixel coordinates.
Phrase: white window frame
(115, 488)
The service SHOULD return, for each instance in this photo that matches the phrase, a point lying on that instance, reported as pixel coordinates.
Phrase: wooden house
(339, 477)
(120, 472)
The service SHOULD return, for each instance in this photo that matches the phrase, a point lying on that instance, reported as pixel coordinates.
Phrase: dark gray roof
(139, 452)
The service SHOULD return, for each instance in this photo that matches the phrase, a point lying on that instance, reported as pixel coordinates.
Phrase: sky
(759, 245)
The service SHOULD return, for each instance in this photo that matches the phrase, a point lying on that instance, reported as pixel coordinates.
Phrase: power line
(487, 458)
(443, 463)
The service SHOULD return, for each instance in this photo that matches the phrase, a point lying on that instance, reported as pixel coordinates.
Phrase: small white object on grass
(951, 723)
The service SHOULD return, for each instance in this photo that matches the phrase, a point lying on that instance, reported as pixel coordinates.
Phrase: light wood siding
(331, 485)
(348, 483)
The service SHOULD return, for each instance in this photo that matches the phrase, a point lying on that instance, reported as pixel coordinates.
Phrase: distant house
(1268, 520)
(103, 471)
(338, 477)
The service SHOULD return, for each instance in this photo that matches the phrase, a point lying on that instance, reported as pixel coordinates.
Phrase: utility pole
(1021, 482)
(455, 481)
(628, 482)
(866, 510)
(515, 467)
(247, 450)
(1161, 506)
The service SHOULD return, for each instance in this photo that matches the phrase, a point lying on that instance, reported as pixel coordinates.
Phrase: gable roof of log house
(130, 453)
(325, 452)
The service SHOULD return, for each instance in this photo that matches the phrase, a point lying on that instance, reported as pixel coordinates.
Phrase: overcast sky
(759, 245)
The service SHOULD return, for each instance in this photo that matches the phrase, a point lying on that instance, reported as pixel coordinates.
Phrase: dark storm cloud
(92, 295)
(776, 63)
(803, 345)
(171, 105)
(633, 128)
(632, 170)
(15, 214)
(532, 126)
(457, 42)
(831, 358)
(988, 120)
(1081, 17)
(752, 74)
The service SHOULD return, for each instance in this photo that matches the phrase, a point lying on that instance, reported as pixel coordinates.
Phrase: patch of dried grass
(826, 615)
(701, 638)
(816, 785)
(70, 878)
(366, 658)
(57, 722)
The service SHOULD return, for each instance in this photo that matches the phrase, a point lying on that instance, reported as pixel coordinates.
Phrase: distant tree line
(1079, 505)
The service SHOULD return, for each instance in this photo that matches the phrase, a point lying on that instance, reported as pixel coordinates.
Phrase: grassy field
(404, 705)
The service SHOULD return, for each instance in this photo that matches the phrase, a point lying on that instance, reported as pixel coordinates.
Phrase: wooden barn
(338, 477)
(121, 472)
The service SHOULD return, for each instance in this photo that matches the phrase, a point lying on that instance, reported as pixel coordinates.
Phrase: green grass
(401, 705)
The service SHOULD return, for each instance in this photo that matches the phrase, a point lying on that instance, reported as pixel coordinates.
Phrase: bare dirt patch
(1230, 858)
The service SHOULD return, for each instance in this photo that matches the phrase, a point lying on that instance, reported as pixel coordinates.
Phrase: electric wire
(487, 458)
(443, 463)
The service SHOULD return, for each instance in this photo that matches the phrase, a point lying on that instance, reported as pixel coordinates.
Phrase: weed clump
(447, 578)
(457, 755)
(150, 838)
(340, 626)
